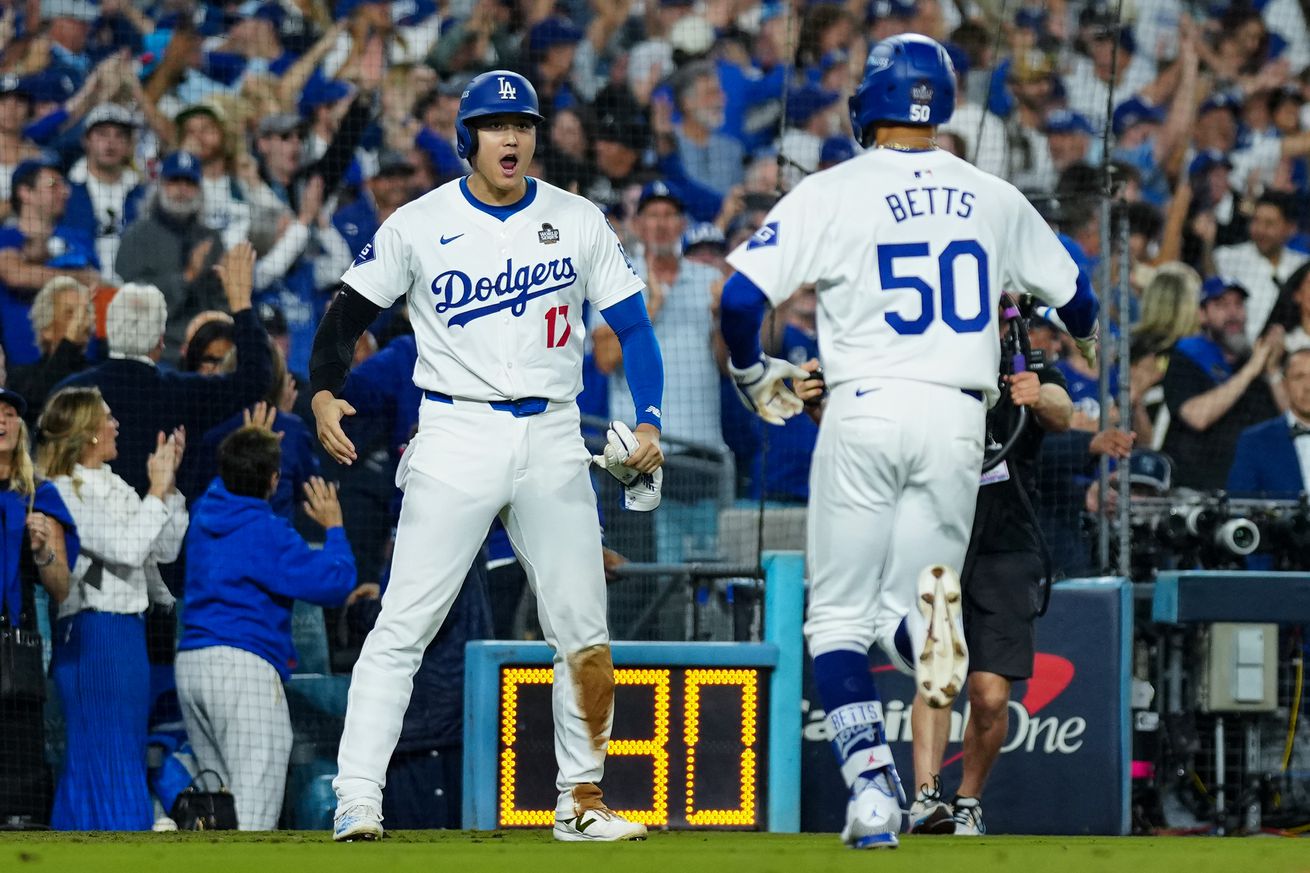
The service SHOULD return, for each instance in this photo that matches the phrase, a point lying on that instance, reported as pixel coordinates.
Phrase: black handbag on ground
(197, 810)
(22, 670)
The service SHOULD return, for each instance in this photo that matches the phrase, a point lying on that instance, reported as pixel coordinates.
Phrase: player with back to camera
(910, 248)
(496, 267)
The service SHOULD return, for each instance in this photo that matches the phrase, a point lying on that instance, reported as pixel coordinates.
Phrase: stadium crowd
(182, 185)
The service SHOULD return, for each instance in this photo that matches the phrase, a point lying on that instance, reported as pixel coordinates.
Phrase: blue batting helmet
(908, 79)
(494, 93)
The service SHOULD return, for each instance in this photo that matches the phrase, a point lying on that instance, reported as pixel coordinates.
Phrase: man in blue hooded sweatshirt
(245, 568)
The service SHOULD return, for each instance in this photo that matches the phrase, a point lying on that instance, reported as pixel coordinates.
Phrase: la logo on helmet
(507, 90)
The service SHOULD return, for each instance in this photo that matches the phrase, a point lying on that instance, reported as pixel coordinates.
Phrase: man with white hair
(171, 248)
(147, 399)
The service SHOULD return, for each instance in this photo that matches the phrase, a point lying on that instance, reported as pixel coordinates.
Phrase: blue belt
(976, 395)
(521, 408)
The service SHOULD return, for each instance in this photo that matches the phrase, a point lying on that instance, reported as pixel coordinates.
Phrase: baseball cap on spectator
(346, 8)
(879, 9)
(454, 86)
(1207, 160)
(272, 318)
(1132, 112)
(551, 32)
(1030, 19)
(1217, 286)
(273, 13)
(109, 113)
(1065, 121)
(657, 190)
(627, 127)
(181, 165)
(14, 399)
(280, 124)
(11, 84)
(692, 36)
(806, 102)
(394, 163)
(408, 13)
(835, 150)
(204, 108)
(1032, 65)
(1222, 100)
(1150, 469)
(49, 86)
(78, 10)
(27, 170)
(321, 92)
(703, 233)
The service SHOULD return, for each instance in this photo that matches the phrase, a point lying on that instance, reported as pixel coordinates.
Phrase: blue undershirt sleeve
(642, 362)
(742, 314)
(1079, 314)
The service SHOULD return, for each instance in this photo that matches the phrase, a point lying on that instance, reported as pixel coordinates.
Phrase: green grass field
(468, 852)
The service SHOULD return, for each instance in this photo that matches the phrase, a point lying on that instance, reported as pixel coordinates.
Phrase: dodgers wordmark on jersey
(496, 305)
(910, 251)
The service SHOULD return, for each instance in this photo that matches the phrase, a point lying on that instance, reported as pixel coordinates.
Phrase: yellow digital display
(685, 750)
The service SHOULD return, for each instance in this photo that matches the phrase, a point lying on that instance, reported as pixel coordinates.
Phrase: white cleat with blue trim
(361, 821)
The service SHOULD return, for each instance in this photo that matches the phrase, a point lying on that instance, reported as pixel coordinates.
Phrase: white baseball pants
(892, 490)
(468, 463)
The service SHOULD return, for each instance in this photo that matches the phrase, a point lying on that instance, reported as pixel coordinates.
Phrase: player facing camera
(496, 131)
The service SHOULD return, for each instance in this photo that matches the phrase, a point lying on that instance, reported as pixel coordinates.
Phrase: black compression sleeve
(345, 321)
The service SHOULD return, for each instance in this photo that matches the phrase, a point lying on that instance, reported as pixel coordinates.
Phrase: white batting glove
(762, 387)
(641, 491)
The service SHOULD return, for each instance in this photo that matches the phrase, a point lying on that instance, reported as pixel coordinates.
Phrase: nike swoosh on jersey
(450, 239)
(860, 392)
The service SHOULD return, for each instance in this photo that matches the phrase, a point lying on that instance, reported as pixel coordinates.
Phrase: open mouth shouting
(509, 162)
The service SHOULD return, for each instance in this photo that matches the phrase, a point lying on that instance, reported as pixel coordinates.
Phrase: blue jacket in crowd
(245, 568)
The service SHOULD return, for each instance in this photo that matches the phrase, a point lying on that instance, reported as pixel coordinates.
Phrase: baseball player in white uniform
(910, 249)
(496, 268)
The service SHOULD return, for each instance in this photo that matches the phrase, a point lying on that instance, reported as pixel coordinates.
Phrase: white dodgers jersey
(910, 252)
(496, 305)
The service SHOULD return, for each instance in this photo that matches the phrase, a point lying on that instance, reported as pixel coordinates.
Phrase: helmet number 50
(889, 253)
(919, 112)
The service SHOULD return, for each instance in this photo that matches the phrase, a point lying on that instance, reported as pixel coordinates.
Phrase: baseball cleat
(598, 824)
(873, 814)
(968, 817)
(362, 821)
(944, 659)
(929, 814)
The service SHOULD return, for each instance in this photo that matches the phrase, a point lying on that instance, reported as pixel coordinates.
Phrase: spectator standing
(100, 665)
(246, 567)
(710, 157)
(203, 130)
(170, 247)
(40, 541)
(61, 318)
(151, 398)
(106, 193)
(36, 248)
(1217, 385)
(15, 110)
(1263, 263)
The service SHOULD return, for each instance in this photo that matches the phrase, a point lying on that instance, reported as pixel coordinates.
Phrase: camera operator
(1002, 584)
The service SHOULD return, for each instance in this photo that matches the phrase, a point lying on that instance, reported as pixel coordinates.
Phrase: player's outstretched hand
(1087, 347)
(321, 502)
(328, 412)
(763, 388)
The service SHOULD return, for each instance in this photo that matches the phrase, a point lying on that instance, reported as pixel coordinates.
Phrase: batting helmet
(907, 79)
(497, 92)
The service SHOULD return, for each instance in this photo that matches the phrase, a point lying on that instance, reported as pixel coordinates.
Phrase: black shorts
(1002, 595)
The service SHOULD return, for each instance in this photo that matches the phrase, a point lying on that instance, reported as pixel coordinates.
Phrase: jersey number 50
(888, 253)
